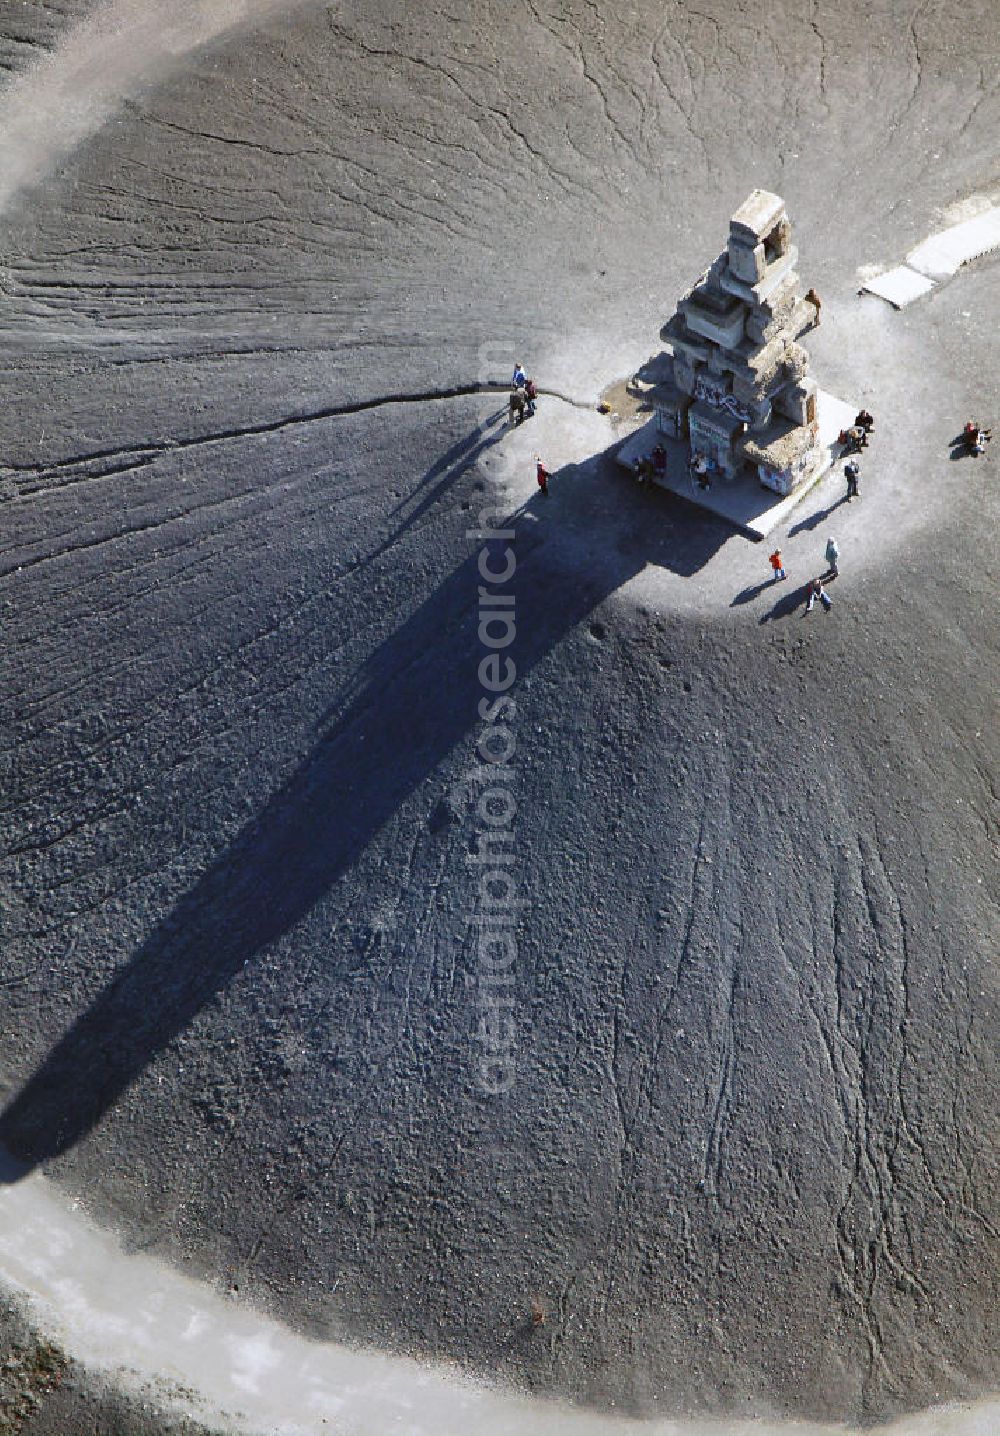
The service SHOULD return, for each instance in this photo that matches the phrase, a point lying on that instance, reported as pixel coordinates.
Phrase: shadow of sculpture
(412, 702)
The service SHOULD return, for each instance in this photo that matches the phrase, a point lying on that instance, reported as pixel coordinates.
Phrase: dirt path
(148, 1327)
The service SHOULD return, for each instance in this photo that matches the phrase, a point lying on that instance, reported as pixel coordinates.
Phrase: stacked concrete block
(746, 264)
(784, 311)
(672, 408)
(795, 361)
(798, 403)
(684, 376)
(734, 340)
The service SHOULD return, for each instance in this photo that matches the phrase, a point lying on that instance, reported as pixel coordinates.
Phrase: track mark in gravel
(518, 137)
(141, 456)
(823, 57)
(577, 53)
(917, 70)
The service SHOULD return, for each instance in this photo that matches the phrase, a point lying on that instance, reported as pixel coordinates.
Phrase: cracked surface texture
(749, 1159)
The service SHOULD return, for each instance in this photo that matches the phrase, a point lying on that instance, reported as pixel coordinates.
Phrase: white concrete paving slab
(943, 254)
(745, 503)
(899, 286)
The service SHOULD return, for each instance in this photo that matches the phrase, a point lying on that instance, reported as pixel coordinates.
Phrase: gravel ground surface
(748, 1161)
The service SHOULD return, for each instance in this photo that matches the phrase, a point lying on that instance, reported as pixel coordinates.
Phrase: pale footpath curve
(138, 1322)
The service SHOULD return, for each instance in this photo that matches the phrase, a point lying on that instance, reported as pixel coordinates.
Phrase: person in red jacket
(542, 475)
(778, 564)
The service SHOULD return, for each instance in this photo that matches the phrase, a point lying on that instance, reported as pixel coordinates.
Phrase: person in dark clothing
(816, 590)
(530, 395)
(976, 438)
(852, 472)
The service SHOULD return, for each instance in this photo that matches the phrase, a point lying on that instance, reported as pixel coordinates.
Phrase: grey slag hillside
(726, 1140)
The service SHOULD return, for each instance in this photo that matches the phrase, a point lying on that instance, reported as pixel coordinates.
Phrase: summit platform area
(743, 502)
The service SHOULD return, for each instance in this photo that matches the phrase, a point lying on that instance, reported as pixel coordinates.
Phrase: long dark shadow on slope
(418, 699)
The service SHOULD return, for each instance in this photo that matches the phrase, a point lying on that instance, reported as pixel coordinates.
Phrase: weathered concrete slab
(899, 286)
(755, 216)
(943, 254)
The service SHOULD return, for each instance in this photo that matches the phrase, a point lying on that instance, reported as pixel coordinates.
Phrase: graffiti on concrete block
(712, 394)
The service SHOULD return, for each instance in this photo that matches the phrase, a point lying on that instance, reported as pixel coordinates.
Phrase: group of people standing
(814, 588)
(523, 396)
(853, 439)
(521, 406)
(652, 466)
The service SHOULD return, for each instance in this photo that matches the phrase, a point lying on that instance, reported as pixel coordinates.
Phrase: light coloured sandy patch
(561, 434)
(969, 208)
(592, 359)
(124, 47)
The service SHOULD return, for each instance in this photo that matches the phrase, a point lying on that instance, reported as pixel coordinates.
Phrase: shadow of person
(813, 521)
(747, 595)
(463, 452)
(961, 448)
(787, 604)
(411, 703)
(440, 477)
